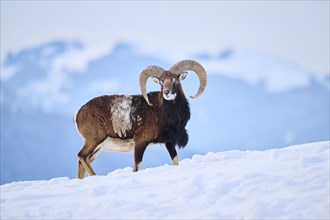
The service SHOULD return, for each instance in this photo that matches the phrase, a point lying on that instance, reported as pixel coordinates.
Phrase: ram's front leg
(172, 151)
(138, 155)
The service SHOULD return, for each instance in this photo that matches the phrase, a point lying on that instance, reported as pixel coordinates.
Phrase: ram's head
(170, 81)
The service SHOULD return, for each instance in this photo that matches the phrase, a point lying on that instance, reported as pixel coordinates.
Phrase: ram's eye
(156, 80)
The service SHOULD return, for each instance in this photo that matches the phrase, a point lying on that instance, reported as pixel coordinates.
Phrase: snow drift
(291, 183)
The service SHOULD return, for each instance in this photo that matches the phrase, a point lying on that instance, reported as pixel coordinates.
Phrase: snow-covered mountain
(243, 106)
(287, 183)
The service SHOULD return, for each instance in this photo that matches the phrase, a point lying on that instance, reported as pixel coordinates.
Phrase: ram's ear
(183, 75)
(155, 79)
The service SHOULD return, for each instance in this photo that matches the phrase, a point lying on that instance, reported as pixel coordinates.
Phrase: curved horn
(194, 66)
(154, 71)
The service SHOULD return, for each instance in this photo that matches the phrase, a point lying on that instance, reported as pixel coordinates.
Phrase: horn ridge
(194, 66)
(147, 72)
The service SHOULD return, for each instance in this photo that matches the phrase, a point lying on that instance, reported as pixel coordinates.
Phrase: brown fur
(163, 122)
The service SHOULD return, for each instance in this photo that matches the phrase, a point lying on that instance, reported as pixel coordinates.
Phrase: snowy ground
(290, 183)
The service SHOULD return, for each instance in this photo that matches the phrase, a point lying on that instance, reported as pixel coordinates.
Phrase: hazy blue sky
(296, 31)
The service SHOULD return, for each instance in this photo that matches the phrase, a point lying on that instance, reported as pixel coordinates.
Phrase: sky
(295, 31)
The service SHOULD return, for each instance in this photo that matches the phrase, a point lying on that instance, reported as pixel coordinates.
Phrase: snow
(120, 114)
(286, 183)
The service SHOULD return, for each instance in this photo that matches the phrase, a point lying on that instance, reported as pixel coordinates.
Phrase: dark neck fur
(176, 114)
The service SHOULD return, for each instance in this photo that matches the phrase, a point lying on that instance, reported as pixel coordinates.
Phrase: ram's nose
(166, 91)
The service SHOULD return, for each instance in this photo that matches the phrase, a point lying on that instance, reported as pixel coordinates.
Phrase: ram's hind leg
(172, 151)
(84, 160)
(81, 170)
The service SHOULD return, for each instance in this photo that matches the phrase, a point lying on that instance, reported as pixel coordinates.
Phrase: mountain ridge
(231, 113)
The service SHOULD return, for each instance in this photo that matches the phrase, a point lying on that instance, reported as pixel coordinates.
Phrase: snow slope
(290, 183)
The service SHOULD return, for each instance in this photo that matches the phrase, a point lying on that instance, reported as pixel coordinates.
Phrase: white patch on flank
(116, 144)
(75, 122)
(95, 154)
(120, 115)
